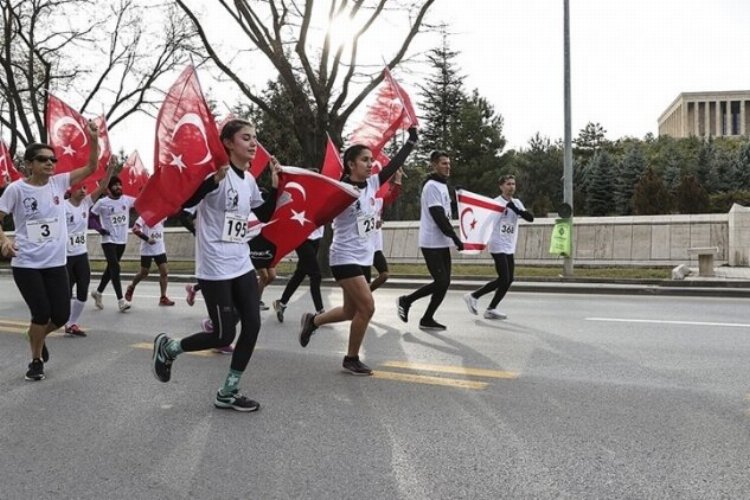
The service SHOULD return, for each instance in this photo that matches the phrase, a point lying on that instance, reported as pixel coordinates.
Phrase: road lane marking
(150, 347)
(456, 370)
(670, 322)
(424, 379)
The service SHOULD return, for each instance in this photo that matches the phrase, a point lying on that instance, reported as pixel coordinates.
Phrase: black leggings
(307, 265)
(504, 265)
(79, 275)
(113, 253)
(438, 262)
(46, 292)
(227, 302)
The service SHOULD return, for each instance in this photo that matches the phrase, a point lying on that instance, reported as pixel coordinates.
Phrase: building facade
(707, 114)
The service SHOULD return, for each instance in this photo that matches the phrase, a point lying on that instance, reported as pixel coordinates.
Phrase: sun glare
(341, 30)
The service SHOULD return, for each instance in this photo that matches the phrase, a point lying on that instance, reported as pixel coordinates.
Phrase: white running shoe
(97, 296)
(471, 303)
(494, 314)
(123, 304)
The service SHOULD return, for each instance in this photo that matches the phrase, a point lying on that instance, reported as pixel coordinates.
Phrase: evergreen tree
(672, 174)
(442, 98)
(704, 160)
(600, 183)
(631, 168)
(691, 197)
(722, 179)
(651, 196)
(741, 167)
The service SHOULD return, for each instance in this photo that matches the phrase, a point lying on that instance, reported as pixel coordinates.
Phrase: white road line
(670, 322)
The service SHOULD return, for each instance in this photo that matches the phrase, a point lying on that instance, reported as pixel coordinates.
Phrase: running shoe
(97, 296)
(235, 401)
(228, 349)
(129, 293)
(403, 308)
(207, 325)
(190, 297)
(123, 304)
(431, 325)
(354, 366)
(74, 331)
(471, 303)
(494, 314)
(165, 301)
(279, 307)
(263, 306)
(162, 361)
(307, 328)
(36, 371)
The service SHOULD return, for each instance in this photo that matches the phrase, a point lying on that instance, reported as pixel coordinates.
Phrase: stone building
(704, 114)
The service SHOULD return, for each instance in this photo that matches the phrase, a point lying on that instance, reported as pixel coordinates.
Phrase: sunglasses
(45, 159)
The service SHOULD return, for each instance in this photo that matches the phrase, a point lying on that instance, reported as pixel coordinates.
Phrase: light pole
(568, 153)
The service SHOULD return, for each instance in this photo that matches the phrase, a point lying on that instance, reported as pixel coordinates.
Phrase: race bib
(235, 228)
(156, 235)
(42, 230)
(119, 220)
(365, 225)
(508, 228)
(76, 241)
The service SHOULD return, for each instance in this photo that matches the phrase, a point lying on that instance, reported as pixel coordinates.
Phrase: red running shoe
(129, 293)
(74, 331)
(190, 298)
(164, 301)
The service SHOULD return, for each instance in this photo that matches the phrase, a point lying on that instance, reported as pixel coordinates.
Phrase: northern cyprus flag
(477, 215)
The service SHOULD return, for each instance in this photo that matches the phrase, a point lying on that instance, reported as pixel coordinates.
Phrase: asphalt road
(574, 396)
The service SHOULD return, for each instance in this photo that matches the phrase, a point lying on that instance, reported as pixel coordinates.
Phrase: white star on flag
(177, 161)
(68, 150)
(300, 217)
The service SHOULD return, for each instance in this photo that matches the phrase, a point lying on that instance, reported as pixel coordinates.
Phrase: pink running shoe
(190, 298)
(224, 350)
(207, 325)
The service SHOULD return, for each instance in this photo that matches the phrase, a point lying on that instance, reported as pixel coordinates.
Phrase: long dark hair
(351, 154)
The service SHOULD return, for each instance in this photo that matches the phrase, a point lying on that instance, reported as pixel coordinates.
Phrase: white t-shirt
(77, 220)
(221, 250)
(352, 229)
(39, 217)
(505, 232)
(377, 234)
(317, 234)
(115, 217)
(434, 194)
(156, 232)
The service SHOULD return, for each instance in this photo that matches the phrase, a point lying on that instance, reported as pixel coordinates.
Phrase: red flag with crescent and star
(67, 133)
(133, 175)
(187, 149)
(8, 172)
(305, 201)
(105, 153)
(260, 162)
(477, 215)
(332, 166)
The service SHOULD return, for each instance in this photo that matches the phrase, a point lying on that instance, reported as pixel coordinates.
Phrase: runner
(352, 251)
(435, 236)
(223, 266)
(77, 208)
(114, 213)
(502, 247)
(307, 265)
(39, 251)
(152, 248)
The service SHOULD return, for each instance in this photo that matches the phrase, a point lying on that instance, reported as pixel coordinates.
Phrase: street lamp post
(568, 153)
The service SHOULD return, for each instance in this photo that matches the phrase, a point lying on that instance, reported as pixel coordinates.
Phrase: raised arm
(104, 182)
(398, 160)
(81, 173)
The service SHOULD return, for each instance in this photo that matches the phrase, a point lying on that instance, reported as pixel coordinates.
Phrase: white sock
(76, 308)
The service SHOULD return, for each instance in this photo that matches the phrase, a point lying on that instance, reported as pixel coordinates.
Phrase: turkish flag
(477, 215)
(133, 175)
(105, 153)
(260, 162)
(332, 166)
(305, 201)
(187, 149)
(8, 172)
(386, 115)
(67, 134)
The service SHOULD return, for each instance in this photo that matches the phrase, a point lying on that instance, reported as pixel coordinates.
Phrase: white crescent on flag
(195, 120)
(477, 216)
(67, 120)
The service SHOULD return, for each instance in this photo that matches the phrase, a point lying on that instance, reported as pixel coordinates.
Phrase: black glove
(459, 244)
(512, 206)
(103, 232)
(413, 136)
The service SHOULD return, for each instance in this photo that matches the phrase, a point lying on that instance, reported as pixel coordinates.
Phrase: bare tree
(320, 81)
(105, 53)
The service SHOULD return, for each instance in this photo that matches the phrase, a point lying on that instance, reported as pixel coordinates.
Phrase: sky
(630, 59)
